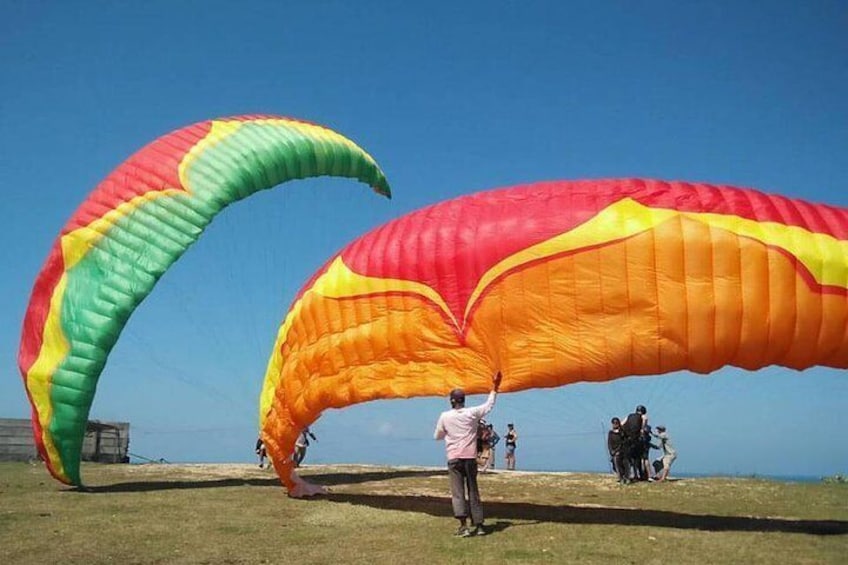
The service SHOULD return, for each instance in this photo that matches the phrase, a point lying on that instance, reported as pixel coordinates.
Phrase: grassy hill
(241, 514)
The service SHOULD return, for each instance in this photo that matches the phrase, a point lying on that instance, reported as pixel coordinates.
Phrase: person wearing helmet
(634, 429)
(458, 427)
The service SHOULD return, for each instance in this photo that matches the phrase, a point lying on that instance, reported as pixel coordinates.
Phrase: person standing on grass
(510, 439)
(646, 452)
(486, 440)
(301, 444)
(261, 452)
(634, 429)
(669, 453)
(458, 427)
(484, 452)
(615, 445)
(494, 438)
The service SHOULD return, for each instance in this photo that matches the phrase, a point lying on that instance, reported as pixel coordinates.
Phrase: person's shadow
(498, 526)
(511, 514)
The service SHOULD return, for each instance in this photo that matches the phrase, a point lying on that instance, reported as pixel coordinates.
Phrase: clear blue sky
(450, 100)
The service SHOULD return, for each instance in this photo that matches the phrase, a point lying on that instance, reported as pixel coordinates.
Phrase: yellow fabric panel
(575, 308)
(341, 352)
(75, 244)
(808, 247)
(53, 350)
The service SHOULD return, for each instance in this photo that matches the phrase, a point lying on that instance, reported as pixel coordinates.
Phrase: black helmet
(641, 409)
(457, 395)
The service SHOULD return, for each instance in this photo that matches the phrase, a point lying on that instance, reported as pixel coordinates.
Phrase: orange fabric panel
(560, 283)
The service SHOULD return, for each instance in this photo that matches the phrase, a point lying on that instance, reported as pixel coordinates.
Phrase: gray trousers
(463, 475)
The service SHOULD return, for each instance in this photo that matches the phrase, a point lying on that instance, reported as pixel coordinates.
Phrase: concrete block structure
(105, 442)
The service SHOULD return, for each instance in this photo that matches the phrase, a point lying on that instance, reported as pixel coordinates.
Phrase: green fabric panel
(122, 267)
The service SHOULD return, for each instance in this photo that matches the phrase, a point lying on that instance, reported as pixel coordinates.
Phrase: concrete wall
(106, 442)
(16, 440)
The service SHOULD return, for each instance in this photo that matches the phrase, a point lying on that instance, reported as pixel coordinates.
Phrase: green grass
(240, 514)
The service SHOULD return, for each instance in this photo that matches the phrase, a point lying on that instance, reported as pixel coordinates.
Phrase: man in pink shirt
(458, 427)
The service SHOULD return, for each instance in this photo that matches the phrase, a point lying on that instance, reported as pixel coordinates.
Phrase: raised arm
(487, 406)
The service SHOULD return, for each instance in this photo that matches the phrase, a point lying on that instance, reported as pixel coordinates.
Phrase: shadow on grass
(326, 479)
(330, 479)
(149, 486)
(436, 506)
(505, 511)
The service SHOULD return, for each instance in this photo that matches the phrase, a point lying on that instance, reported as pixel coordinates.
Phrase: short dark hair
(457, 396)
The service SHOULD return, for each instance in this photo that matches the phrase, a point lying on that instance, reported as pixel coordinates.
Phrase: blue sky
(450, 100)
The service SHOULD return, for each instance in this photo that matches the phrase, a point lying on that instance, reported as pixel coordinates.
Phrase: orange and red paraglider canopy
(561, 282)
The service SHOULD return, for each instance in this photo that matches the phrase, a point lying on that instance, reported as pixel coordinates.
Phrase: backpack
(632, 426)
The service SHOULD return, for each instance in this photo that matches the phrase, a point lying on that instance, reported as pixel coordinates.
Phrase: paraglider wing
(129, 230)
(556, 283)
